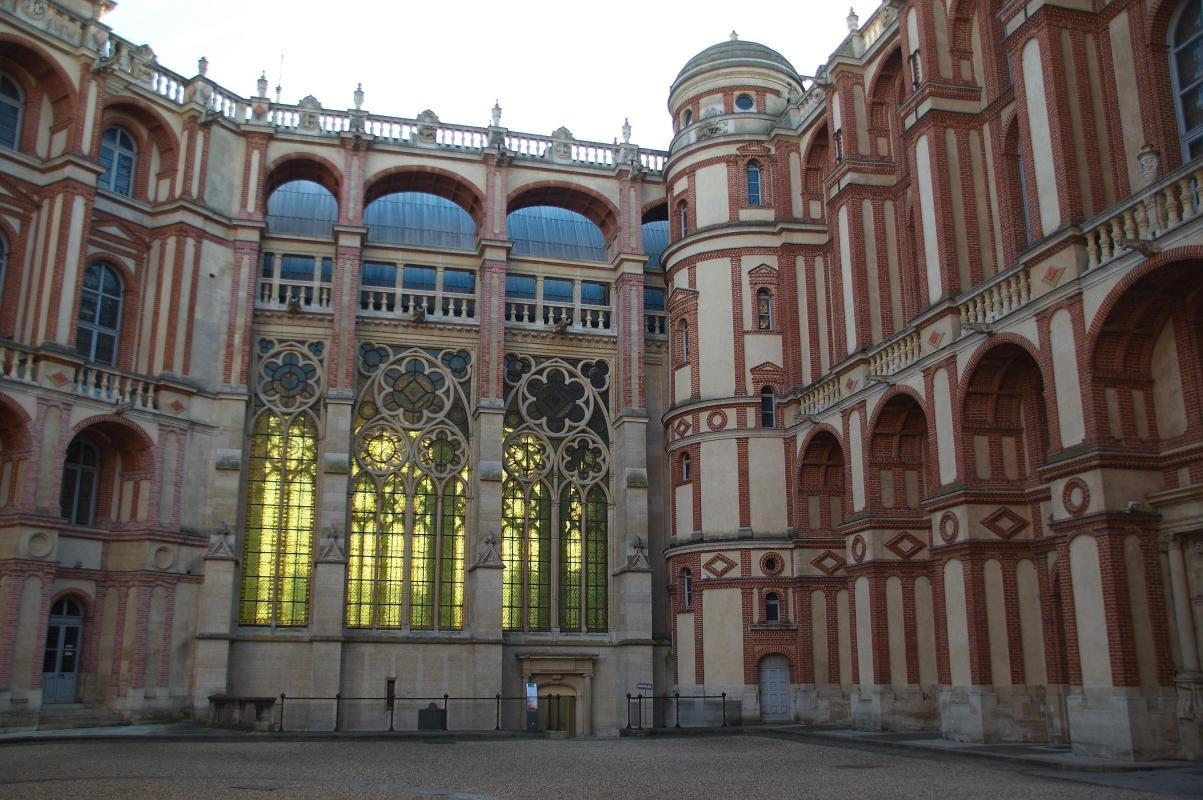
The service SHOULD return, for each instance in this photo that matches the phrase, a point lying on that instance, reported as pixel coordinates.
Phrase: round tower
(730, 267)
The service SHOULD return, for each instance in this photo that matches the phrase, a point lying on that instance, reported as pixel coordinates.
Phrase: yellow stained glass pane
(538, 559)
(390, 576)
(596, 573)
(361, 555)
(513, 524)
(421, 577)
(571, 520)
(451, 560)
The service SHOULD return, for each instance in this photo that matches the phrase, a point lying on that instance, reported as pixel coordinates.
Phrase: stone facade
(941, 468)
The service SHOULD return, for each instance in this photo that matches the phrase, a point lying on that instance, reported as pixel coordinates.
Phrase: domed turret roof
(735, 51)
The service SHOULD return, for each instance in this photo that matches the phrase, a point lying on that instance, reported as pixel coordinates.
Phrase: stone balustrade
(18, 363)
(896, 355)
(437, 306)
(820, 396)
(578, 317)
(1146, 216)
(656, 323)
(280, 294)
(114, 386)
(996, 298)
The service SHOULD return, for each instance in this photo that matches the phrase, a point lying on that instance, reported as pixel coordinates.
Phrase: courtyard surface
(745, 767)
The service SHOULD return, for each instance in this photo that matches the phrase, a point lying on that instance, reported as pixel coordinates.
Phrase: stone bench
(242, 711)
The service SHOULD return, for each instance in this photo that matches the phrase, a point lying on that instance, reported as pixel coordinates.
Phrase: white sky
(583, 65)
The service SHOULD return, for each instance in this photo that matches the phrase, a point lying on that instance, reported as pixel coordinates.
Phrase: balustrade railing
(291, 295)
(656, 323)
(819, 397)
(996, 299)
(1146, 216)
(18, 363)
(113, 386)
(437, 305)
(896, 355)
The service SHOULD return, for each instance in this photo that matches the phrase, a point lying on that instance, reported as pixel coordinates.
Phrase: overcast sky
(583, 65)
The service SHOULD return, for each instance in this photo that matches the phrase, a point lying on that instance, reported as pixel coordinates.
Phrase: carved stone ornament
(428, 127)
(221, 543)
(637, 558)
(35, 8)
(310, 108)
(330, 545)
(710, 129)
(487, 553)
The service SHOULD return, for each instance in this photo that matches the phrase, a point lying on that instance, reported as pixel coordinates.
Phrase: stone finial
(358, 97)
(626, 130)
(734, 36)
(497, 113)
(202, 66)
(261, 84)
(853, 21)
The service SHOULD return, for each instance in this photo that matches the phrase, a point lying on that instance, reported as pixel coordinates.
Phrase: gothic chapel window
(1186, 64)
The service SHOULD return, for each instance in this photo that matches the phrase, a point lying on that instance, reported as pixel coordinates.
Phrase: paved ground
(744, 767)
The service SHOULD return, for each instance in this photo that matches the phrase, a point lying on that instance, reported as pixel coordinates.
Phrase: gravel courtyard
(743, 767)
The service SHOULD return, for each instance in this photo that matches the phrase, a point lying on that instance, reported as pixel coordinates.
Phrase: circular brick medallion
(716, 420)
(771, 564)
(950, 526)
(1076, 496)
(858, 549)
(40, 545)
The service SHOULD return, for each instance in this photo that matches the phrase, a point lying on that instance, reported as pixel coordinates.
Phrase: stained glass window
(281, 506)
(409, 504)
(555, 510)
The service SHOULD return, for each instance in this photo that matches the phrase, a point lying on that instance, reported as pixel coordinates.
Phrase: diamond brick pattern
(905, 545)
(1005, 523)
(719, 565)
(828, 563)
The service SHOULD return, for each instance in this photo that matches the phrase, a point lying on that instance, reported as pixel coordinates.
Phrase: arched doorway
(774, 689)
(64, 644)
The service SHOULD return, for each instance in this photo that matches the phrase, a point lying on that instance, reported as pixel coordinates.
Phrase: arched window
(12, 103)
(419, 218)
(683, 340)
(772, 607)
(686, 468)
(764, 310)
(118, 154)
(768, 408)
(686, 589)
(683, 220)
(1186, 65)
(99, 314)
(81, 474)
(555, 506)
(409, 479)
(655, 239)
(281, 490)
(555, 232)
(687, 118)
(302, 207)
(753, 171)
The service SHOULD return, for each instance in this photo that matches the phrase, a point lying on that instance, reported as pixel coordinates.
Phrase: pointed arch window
(12, 108)
(555, 501)
(1186, 67)
(686, 588)
(81, 478)
(118, 154)
(686, 468)
(409, 490)
(96, 332)
(281, 493)
(753, 178)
